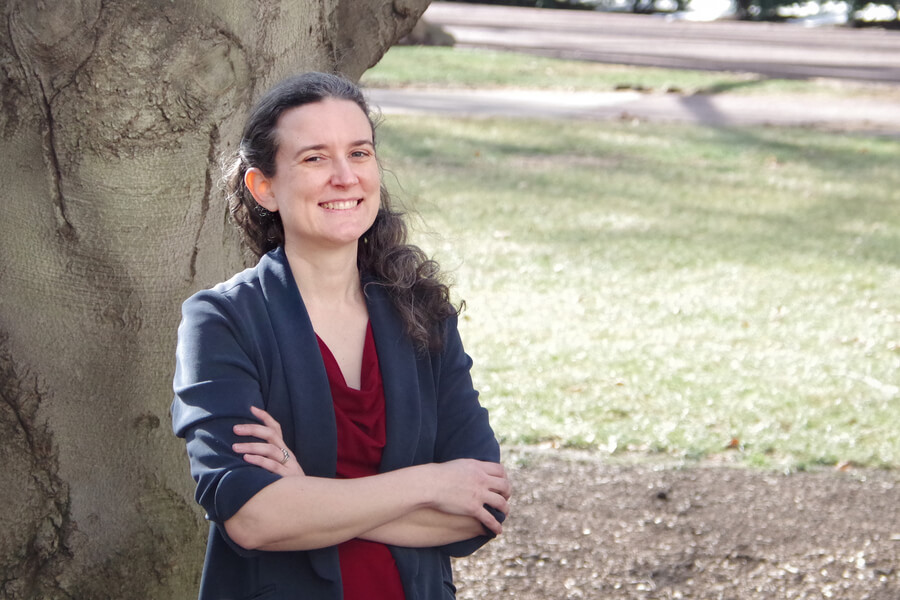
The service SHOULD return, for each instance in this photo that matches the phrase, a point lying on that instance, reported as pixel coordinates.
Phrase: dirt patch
(584, 528)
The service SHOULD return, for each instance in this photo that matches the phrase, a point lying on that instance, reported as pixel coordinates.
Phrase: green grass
(450, 67)
(662, 290)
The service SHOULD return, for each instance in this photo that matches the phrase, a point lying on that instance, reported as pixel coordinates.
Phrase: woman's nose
(343, 174)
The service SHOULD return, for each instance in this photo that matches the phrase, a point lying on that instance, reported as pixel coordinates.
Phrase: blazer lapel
(397, 359)
(312, 429)
(314, 434)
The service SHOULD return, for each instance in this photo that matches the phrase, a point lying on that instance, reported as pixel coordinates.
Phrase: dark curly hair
(384, 256)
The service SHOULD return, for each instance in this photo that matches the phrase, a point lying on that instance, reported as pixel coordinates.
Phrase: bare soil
(582, 527)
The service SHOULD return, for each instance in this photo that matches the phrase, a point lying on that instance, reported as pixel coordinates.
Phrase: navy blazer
(249, 341)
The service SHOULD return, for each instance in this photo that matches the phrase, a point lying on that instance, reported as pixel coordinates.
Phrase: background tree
(860, 13)
(113, 114)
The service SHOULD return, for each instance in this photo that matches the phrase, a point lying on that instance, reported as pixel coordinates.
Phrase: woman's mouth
(340, 204)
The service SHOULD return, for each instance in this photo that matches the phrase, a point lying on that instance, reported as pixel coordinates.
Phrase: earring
(261, 212)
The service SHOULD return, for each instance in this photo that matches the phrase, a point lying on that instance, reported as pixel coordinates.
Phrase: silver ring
(287, 455)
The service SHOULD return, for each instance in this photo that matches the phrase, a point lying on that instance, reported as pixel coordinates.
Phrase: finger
(291, 467)
(267, 463)
(269, 450)
(493, 469)
(258, 431)
(266, 418)
(488, 520)
(502, 487)
(499, 502)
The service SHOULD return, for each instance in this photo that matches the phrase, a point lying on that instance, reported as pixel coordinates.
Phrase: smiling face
(327, 185)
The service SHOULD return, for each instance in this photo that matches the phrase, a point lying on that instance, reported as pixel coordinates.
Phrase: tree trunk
(114, 112)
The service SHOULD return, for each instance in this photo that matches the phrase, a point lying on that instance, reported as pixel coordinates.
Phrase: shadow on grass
(730, 86)
(840, 220)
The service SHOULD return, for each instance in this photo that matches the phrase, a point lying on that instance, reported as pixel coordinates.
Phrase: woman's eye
(360, 154)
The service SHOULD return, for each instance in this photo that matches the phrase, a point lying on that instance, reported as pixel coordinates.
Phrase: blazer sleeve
(463, 428)
(216, 382)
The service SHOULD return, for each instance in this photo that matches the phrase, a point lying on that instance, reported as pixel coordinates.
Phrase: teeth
(340, 205)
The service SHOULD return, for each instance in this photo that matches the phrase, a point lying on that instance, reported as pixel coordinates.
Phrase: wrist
(425, 480)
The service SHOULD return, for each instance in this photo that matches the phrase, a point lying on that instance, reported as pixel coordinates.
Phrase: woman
(337, 443)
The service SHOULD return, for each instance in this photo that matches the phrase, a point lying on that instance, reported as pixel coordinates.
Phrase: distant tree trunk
(113, 114)
(742, 9)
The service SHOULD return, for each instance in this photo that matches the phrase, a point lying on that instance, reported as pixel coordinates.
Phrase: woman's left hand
(273, 454)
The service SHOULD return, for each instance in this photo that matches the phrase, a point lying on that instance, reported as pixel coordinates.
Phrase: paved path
(850, 114)
(774, 49)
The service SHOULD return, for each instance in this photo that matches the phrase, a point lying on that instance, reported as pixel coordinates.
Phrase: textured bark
(113, 114)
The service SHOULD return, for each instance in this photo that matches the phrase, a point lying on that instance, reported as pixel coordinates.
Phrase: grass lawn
(674, 291)
(451, 67)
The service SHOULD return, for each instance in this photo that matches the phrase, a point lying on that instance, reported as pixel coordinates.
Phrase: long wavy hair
(413, 281)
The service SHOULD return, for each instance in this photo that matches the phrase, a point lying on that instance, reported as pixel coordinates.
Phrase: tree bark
(114, 113)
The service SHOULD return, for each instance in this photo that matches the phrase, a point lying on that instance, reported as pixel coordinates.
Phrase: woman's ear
(261, 188)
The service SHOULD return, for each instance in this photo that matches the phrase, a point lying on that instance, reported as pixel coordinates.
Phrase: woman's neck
(326, 278)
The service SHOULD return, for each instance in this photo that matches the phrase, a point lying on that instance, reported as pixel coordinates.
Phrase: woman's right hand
(272, 455)
(465, 486)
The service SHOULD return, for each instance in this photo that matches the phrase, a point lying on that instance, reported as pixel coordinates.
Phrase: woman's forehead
(327, 121)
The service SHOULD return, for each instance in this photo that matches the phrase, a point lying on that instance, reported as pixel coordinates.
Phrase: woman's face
(327, 185)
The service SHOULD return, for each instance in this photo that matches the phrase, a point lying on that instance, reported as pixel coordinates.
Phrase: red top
(368, 570)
